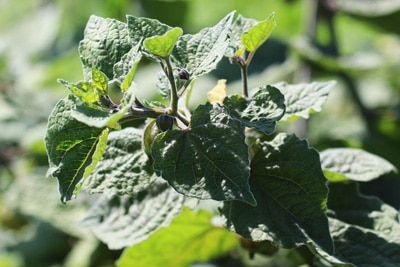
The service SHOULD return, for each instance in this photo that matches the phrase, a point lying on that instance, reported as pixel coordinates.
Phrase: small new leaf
(99, 82)
(162, 46)
(253, 38)
(265, 108)
(83, 90)
(210, 160)
(191, 238)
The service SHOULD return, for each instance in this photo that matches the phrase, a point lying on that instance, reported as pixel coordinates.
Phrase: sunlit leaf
(105, 42)
(209, 160)
(99, 81)
(291, 193)
(190, 238)
(304, 98)
(124, 169)
(264, 109)
(200, 53)
(125, 69)
(354, 164)
(162, 45)
(102, 118)
(83, 90)
(254, 37)
(124, 221)
(73, 148)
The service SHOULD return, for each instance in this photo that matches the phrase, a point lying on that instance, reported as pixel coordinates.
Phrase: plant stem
(174, 93)
(245, 90)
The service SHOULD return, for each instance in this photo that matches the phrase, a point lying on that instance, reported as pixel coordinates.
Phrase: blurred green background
(356, 44)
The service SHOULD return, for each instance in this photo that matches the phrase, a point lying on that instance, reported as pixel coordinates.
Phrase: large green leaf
(354, 164)
(124, 169)
(124, 221)
(73, 148)
(104, 43)
(291, 192)
(209, 160)
(304, 98)
(162, 45)
(365, 230)
(190, 238)
(265, 108)
(201, 52)
(254, 37)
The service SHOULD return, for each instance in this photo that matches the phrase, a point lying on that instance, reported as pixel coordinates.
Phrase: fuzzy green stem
(174, 93)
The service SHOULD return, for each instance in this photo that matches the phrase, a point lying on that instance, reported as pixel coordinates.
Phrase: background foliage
(38, 44)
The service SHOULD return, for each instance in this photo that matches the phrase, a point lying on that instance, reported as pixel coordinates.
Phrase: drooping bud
(165, 122)
(183, 74)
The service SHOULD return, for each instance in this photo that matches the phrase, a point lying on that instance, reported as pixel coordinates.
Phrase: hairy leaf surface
(125, 69)
(209, 160)
(289, 186)
(304, 98)
(162, 45)
(254, 37)
(200, 53)
(265, 108)
(101, 118)
(239, 26)
(354, 164)
(141, 28)
(105, 42)
(124, 169)
(365, 230)
(73, 148)
(124, 221)
(190, 238)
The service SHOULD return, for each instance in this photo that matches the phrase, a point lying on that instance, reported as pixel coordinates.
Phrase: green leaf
(190, 238)
(239, 26)
(142, 28)
(100, 118)
(125, 69)
(83, 90)
(371, 8)
(124, 221)
(291, 192)
(200, 53)
(73, 148)
(265, 108)
(105, 42)
(304, 98)
(365, 230)
(354, 164)
(209, 160)
(124, 169)
(253, 38)
(162, 45)
(99, 82)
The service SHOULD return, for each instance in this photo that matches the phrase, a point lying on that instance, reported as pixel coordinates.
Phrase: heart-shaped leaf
(291, 193)
(209, 160)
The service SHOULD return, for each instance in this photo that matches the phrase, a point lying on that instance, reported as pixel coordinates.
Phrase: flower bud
(165, 122)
